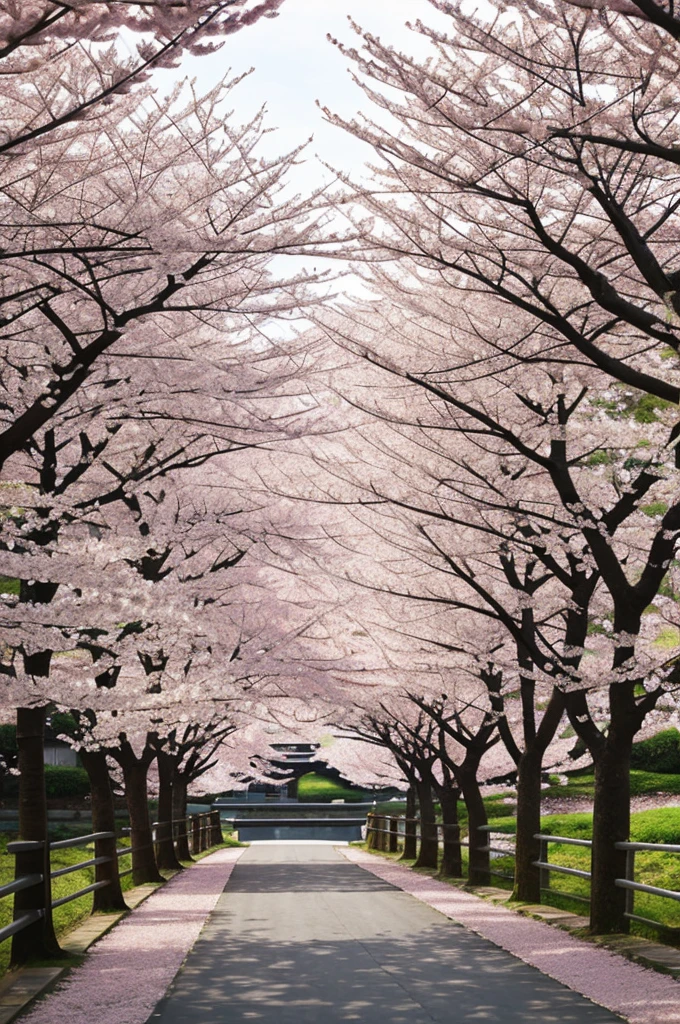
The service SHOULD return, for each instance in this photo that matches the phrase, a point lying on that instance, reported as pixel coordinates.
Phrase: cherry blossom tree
(359, 764)
(540, 145)
(147, 228)
(101, 439)
(526, 188)
(184, 755)
(599, 534)
(36, 35)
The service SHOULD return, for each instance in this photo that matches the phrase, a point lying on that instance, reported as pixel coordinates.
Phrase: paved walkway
(302, 936)
(639, 995)
(128, 970)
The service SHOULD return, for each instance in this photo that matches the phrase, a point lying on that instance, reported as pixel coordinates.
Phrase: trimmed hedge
(660, 753)
(66, 781)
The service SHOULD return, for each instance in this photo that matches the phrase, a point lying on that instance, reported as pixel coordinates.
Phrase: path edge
(20, 988)
(373, 862)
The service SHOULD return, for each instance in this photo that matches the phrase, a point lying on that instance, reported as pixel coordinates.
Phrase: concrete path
(301, 936)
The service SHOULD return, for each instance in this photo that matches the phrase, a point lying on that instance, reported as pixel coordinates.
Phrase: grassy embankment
(70, 914)
(641, 784)
(659, 825)
(313, 788)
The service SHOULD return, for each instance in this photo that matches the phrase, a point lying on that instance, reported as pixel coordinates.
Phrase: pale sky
(295, 65)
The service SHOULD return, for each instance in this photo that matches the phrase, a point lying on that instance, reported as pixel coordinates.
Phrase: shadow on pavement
(317, 877)
(411, 980)
(300, 936)
(306, 938)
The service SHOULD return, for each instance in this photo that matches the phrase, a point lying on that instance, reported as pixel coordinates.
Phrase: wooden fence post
(32, 901)
(544, 873)
(216, 837)
(394, 835)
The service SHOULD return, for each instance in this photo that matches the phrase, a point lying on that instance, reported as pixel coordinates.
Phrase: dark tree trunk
(379, 824)
(38, 940)
(292, 789)
(216, 837)
(478, 861)
(527, 849)
(394, 835)
(166, 857)
(611, 824)
(179, 814)
(428, 856)
(410, 828)
(611, 810)
(135, 771)
(452, 860)
(529, 765)
(109, 898)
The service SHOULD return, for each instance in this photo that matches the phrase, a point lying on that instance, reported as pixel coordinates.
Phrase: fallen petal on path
(640, 995)
(128, 970)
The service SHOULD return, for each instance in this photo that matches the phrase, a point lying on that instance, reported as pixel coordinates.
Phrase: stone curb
(21, 987)
(656, 956)
(633, 977)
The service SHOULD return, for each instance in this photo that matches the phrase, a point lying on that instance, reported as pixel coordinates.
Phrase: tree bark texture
(410, 828)
(611, 808)
(166, 857)
(527, 849)
(611, 824)
(478, 858)
(179, 814)
(452, 859)
(135, 771)
(110, 898)
(529, 763)
(38, 940)
(216, 837)
(428, 856)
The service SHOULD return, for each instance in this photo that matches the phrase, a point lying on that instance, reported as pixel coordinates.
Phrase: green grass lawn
(640, 783)
(313, 788)
(68, 916)
(580, 786)
(661, 825)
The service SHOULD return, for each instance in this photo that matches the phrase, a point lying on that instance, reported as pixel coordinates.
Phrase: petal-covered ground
(129, 970)
(641, 996)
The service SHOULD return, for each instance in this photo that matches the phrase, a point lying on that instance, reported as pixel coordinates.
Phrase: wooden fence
(388, 833)
(32, 888)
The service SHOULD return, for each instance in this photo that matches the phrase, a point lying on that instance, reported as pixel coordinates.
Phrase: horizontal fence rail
(632, 886)
(200, 830)
(65, 844)
(392, 829)
(386, 832)
(628, 883)
(401, 832)
(546, 866)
